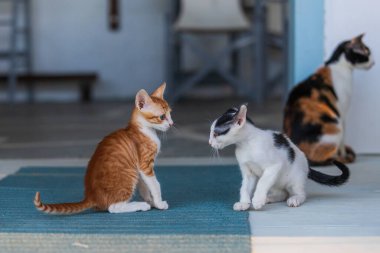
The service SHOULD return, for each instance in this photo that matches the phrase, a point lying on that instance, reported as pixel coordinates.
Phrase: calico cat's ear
(159, 93)
(241, 116)
(143, 100)
(358, 39)
(356, 45)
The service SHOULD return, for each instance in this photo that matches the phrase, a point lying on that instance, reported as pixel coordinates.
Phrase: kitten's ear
(143, 101)
(241, 116)
(159, 93)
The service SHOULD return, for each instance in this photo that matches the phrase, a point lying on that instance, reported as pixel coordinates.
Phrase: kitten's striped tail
(64, 208)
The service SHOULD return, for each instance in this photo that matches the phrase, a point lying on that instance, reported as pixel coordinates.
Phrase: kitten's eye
(162, 117)
(215, 135)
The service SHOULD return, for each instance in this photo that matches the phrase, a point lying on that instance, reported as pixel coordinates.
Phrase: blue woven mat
(200, 202)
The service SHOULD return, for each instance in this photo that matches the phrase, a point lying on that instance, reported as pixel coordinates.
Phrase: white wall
(73, 35)
(346, 19)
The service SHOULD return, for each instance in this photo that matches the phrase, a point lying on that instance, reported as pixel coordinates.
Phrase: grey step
(13, 1)
(6, 54)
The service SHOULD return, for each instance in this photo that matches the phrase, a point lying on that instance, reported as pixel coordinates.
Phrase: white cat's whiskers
(215, 153)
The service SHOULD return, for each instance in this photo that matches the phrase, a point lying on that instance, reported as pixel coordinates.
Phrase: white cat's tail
(325, 179)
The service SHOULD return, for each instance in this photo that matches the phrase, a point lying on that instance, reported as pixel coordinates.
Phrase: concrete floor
(73, 130)
(333, 219)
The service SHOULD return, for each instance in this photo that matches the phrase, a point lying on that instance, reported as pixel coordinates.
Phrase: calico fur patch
(312, 117)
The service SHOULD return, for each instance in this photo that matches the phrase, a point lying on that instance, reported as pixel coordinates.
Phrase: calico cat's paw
(258, 203)
(162, 205)
(240, 206)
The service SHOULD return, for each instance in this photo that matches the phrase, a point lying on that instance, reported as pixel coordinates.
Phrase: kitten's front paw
(295, 201)
(258, 203)
(240, 206)
(162, 205)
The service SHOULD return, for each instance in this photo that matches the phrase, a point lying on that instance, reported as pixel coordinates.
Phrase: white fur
(149, 131)
(268, 175)
(155, 190)
(144, 192)
(341, 72)
(126, 207)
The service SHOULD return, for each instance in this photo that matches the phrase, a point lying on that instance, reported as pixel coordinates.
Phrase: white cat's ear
(143, 100)
(159, 93)
(241, 116)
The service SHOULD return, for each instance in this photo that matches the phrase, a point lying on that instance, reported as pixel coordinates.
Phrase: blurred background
(69, 69)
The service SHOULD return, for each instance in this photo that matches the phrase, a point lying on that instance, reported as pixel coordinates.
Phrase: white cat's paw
(162, 205)
(145, 207)
(258, 203)
(240, 206)
(295, 201)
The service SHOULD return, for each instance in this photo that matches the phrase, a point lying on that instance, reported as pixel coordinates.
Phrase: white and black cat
(272, 166)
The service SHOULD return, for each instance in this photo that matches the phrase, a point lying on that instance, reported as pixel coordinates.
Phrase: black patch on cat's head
(355, 52)
(224, 122)
(280, 141)
(356, 57)
(337, 53)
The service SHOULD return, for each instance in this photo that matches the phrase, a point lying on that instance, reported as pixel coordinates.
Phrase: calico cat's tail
(64, 208)
(330, 180)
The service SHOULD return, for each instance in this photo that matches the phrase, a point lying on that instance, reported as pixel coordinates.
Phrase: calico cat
(272, 166)
(316, 109)
(123, 161)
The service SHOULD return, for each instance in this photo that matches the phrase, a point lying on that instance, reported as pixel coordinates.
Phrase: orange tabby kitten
(123, 161)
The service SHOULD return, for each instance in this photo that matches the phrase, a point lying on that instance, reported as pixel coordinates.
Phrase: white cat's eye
(162, 117)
